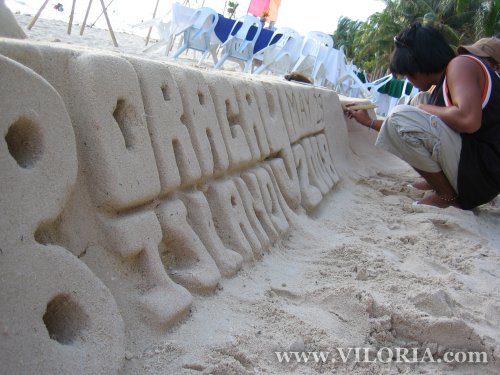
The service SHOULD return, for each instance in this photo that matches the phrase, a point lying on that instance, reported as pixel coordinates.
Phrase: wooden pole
(151, 28)
(109, 23)
(37, 15)
(85, 19)
(70, 23)
(97, 19)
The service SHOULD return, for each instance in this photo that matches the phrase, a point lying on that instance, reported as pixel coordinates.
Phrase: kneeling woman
(452, 139)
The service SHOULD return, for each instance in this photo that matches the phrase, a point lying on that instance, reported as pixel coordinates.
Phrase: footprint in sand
(441, 332)
(285, 293)
(436, 304)
(447, 333)
(422, 266)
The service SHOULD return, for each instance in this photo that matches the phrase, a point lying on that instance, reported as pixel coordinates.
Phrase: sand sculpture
(132, 192)
(129, 184)
(8, 24)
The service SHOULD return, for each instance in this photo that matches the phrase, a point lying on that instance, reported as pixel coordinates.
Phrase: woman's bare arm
(466, 81)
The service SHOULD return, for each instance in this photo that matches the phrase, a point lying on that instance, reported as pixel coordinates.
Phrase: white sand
(367, 270)
(46, 30)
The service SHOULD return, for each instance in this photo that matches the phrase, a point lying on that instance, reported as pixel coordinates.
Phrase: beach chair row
(245, 41)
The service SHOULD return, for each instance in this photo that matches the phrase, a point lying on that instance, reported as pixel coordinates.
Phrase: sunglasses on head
(399, 43)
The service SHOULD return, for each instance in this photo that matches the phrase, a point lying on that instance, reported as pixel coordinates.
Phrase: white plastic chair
(180, 16)
(198, 34)
(335, 66)
(406, 98)
(314, 54)
(344, 79)
(162, 29)
(375, 85)
(280, 56)
(238, 47)
(385, 102)
(349, 82)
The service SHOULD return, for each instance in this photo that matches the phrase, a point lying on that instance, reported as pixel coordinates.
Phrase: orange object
(273, 10)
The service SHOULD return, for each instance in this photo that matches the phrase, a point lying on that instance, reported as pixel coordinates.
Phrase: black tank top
(479, 166)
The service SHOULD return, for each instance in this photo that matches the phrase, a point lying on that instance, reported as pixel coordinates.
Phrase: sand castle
(158, 219)
(129, 184)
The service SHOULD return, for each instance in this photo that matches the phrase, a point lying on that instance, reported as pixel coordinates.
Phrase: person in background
(453, 140)
(488, 49)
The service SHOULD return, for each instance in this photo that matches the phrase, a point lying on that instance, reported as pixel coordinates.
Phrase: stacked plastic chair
(179, 15)
(313, 57)
(163, 30)
(198, 34)
(241, 41)
(279, 56)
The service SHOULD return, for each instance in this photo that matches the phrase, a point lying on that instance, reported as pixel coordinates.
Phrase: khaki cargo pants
(422, 140)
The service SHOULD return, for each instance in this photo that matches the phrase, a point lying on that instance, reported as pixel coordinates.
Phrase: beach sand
(366, 270)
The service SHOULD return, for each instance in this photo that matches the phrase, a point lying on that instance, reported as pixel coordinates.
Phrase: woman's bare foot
(421, 185)
(437, 201)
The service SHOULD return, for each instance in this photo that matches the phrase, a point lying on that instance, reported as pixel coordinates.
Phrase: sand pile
(276, 227)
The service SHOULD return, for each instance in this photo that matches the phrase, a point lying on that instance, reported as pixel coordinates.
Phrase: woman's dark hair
(420, 49)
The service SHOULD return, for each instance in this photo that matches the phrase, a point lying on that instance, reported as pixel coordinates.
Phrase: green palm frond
(370, 43)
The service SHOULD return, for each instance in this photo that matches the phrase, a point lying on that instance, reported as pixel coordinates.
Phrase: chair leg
(170, 44)
(318, 74)
(155, 46)
(203, 57)
(179, 51)
(260, 69)
(248, 66)
(213, 52)
(298, 64)
(219, 63)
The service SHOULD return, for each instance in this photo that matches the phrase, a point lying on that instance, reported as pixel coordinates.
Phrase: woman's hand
(360, 115)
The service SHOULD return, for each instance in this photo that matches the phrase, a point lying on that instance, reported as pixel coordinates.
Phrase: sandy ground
(46, 30)
(368, 270)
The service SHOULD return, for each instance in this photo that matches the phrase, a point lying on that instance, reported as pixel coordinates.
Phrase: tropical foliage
(231, 8)
(370, 43)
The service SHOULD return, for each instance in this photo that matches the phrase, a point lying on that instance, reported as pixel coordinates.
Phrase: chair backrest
(281, 52)
(285, 34)
(315, 42)
(346, 80)
(322, 38)
(199, 33)
(378, 83)
(284, 39)
(204, 18)
(242, 28)
(375, 85)
(181, 17)
(406, 98)
(289, 41)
